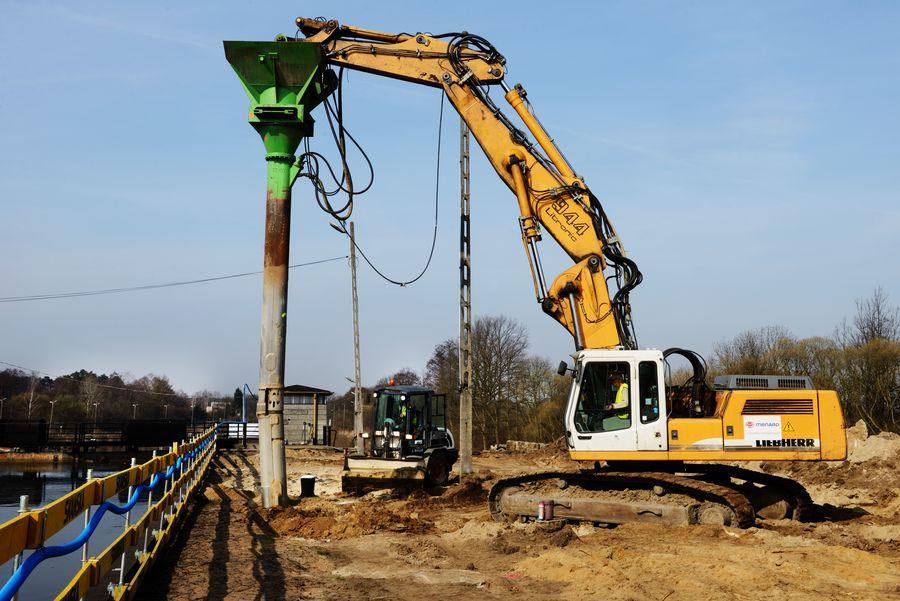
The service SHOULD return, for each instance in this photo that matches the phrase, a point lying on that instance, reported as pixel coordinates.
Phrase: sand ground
(447, 546)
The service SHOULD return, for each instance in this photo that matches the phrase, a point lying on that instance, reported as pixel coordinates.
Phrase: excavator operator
(620, 405)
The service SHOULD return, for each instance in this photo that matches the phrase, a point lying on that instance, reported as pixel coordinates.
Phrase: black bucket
(307, 486)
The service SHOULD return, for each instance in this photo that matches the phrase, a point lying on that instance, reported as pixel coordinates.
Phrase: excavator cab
(617, 403)
(620, 409)
(408, 422)
(409, 443)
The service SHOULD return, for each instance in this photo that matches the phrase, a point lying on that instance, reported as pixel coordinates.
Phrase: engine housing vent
(751, 382)
(778, 407)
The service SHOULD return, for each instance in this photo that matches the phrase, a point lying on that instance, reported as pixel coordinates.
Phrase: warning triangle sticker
(788, 427)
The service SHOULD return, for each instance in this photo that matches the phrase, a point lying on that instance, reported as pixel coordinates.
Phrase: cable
(57, 295)
(309, 166)
(309, 162)
(437, 187)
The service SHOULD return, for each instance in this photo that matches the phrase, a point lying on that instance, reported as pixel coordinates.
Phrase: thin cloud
(633, 148)
(169, 36)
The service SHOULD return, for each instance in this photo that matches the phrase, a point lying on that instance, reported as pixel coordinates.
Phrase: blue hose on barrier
(41, 553)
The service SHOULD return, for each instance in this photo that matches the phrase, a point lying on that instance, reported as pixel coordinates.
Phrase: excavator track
(794, 494)
(713, 503)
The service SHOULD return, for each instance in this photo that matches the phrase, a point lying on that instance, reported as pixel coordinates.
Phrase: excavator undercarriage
(660, 493)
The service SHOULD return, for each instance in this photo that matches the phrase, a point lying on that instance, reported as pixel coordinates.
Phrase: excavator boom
(551, 197)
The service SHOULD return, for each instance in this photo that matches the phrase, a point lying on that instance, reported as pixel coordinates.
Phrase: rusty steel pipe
(273, 330)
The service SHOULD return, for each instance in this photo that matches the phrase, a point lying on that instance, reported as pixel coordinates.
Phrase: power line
(57, 295)
(125, 388)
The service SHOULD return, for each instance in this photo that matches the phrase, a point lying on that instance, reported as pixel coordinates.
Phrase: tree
(404, 377)
(90, 391)
(875, 319)
(861, 361)
(869, 382)
(237, 403)
(750, 352)
(442, 376)
(499, 348)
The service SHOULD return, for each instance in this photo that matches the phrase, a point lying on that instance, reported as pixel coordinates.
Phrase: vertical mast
(357, 393)
(465, 307)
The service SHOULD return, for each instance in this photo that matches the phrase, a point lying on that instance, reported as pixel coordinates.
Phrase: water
(45, 483)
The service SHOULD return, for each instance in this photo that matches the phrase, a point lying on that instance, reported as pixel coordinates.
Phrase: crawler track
(790, 490)
(732, 500)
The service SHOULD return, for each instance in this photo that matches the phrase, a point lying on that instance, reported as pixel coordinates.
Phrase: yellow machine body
(751, 418)
(750, 425)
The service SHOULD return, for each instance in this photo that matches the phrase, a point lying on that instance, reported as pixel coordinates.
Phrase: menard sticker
(762, 426)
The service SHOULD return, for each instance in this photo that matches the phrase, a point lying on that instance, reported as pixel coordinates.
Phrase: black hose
(697, 380)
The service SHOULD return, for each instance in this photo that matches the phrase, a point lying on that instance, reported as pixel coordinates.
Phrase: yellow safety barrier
(31, 529)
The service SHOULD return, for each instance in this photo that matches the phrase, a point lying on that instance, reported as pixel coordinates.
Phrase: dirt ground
(447, 546)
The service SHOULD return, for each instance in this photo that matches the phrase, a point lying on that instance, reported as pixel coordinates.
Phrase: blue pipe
(16, 581)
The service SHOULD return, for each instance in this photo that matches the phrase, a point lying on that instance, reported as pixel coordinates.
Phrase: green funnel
(284, 81)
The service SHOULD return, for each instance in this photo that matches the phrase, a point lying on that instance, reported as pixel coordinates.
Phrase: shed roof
(302, 389)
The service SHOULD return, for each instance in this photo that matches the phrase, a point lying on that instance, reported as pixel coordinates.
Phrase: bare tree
(875, 319)
(499, 348)
(34, 380)
(405, 376)
(442, 375)
(869, 382)
(750, 352)
(90, 392)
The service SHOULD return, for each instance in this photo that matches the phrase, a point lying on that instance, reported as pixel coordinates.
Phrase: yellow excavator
(658, 452)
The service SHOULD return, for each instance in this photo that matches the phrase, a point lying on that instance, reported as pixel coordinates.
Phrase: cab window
(604, 400)
(649, 391)
(437, 411)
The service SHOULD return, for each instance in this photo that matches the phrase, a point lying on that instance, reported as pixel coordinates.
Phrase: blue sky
(747, 153)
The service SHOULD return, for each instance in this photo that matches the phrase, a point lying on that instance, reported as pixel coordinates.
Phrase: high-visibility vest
(622, 396)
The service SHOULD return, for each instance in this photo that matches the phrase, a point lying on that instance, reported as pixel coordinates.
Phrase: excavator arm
(551, 196)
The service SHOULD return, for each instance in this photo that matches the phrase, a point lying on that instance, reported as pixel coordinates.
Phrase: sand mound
(861, 447)
(327, 521)
(869, 477)
(471, 491)
(555, 454)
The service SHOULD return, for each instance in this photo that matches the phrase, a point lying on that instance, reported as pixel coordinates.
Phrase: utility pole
(52, 404)
(465, 307)
(357, 392)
